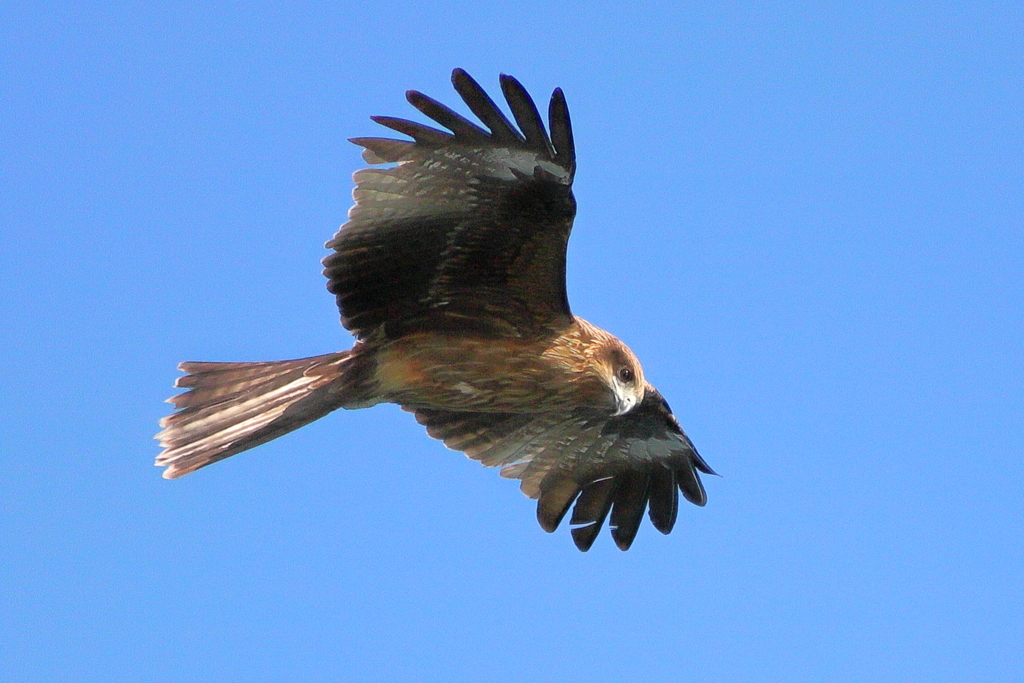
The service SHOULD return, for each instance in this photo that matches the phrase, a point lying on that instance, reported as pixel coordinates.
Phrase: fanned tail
(232, 407)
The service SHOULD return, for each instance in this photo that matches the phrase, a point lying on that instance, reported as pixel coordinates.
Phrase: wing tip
(584, 536)
(553, 144)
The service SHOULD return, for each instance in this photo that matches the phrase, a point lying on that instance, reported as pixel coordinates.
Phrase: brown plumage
(451, 275)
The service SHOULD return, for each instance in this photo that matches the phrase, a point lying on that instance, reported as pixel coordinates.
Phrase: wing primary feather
(695, 458)
(699, 463)
(463, 128)
(689, 484)
(384, 150)
(664, 499)
(554, 502)
(481, 104)
(631, 495)
(526, 114)
(590, 511)
(561, 132)
(424, 135)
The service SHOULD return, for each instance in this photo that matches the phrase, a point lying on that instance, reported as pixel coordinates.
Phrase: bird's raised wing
(468, 229)
(627, 464)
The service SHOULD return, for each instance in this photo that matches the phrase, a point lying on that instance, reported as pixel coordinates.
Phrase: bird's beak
(624, 404)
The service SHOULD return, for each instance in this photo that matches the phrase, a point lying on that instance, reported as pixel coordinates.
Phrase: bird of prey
(450, 273)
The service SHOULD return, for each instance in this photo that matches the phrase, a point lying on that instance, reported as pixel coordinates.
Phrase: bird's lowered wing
(465, 230)
(626, 465)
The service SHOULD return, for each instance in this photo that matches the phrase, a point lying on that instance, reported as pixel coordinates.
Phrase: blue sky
(807, 220)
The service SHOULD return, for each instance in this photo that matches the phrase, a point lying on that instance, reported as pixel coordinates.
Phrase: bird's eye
(626, 374)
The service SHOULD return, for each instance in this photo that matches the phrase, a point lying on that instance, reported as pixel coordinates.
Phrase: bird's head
(607, 374)
(621, 371)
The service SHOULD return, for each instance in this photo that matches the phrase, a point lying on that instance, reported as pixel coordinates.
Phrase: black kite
(451, 275)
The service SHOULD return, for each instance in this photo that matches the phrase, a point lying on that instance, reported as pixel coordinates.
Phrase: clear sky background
(807, 220)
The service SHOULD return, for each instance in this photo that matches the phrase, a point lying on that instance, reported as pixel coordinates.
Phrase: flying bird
(450, 273)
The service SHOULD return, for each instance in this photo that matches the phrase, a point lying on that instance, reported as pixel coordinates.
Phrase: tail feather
(232, 407)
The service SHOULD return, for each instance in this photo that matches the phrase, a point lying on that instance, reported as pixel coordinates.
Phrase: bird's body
(556, 373)
(451, 275)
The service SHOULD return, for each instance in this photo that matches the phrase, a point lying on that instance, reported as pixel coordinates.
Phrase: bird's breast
(494, 375)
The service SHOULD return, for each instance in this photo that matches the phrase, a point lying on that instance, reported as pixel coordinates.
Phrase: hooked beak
(625, 406)
(625, 400)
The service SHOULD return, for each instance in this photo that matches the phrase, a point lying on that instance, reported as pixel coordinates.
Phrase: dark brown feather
(554, 502)
(628, 508)
(423, 135)
(664, 499)
(590, 511)
(561, 131)
(467, 131)
(690, 485)
(481, 104)
(526, 114)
